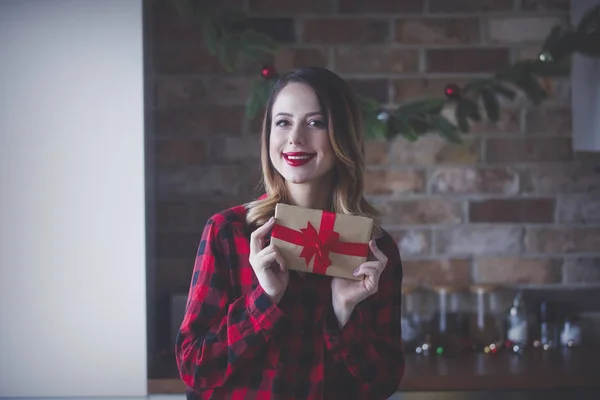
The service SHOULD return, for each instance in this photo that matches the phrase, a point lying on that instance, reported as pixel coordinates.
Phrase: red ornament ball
(267, 72)
(452, 91)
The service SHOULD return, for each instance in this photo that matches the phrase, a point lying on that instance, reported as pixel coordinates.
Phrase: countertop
(534, 369)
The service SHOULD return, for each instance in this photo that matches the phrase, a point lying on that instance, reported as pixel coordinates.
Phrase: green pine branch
(227, 37)
(225, 34)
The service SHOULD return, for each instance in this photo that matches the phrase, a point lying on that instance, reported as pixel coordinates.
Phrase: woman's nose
(296, 135)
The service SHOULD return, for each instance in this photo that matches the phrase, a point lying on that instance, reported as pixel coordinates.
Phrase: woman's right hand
(268, 264)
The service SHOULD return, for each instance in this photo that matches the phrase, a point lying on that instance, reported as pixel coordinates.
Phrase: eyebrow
(283, 114)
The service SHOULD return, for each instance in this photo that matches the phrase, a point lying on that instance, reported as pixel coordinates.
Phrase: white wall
(585, 78)
(72, 215)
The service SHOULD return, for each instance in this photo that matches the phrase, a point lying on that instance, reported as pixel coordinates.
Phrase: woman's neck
(315, 195)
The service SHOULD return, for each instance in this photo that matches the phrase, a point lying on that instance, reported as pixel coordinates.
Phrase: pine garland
(227, 37)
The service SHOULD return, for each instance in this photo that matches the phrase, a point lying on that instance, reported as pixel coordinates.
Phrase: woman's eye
(281, 122)
(317, 123)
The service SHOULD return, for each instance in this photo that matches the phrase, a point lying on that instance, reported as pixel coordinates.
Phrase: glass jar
(485, 331)
(451, 330)
(412, 317)
(570, 334)
(517, 324)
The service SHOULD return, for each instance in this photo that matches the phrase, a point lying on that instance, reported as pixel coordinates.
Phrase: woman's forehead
(296, 98)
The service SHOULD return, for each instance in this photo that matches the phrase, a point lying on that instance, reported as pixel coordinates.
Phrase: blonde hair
(347, 141)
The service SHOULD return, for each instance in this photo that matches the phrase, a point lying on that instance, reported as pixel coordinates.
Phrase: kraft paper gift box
(321, 242)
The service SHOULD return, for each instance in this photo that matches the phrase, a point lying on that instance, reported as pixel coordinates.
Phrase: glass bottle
(484, 331)
(451, 333)
(570, 335)
(412, 319)
(548, 326)
(516, 322)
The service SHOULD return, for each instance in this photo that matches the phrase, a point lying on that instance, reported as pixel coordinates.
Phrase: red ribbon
(320, 244)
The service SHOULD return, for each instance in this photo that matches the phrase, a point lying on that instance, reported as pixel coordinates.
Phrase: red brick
(410, 88)
(377, 89)
(423, 212)
(190, 92)
(377, 152)
(168, 27)
(180, 152)
(254, 126)
(192, 59)
(236, 149)
(558, 88)
(467, 60)
(345, 31)
(466, 240)
(582, 270)
(412, 242)
(481, 180)
(376, 60)
(210, 180)
(281, 30)
(512, 211)
(561, 178)
(173, 215)
(528, 150)
(508, 122)
(433, 149)
(438, 31)
(291, 7)
(205, 120)
(519, 29)
(562, 240)
(182, 245)
(546, 5)
(380, 6)
(579, 209)
(178, 92)
(551, 121)
(252, 186)
(229, 90)
(390, 181)
(288, 59)
(437, 272)
(464, 6)
(518, 270)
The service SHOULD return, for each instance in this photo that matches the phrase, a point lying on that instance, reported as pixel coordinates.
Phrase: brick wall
(512, 205)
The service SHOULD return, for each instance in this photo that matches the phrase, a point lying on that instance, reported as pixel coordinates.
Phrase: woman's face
(299, 144)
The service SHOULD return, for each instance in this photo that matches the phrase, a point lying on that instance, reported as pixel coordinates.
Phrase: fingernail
(271, 220)
(355, 272)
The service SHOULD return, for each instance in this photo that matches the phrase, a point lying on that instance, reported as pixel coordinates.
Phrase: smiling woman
(299, 145)
(311, 110)
(255, 329)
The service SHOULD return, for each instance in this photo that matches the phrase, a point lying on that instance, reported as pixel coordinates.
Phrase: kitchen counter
(535, 369)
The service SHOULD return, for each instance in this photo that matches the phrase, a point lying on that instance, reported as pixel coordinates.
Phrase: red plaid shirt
(234, 343)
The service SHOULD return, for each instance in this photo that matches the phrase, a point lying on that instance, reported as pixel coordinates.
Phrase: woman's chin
(298, 180)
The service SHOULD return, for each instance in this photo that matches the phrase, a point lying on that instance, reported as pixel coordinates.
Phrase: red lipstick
(297, 159)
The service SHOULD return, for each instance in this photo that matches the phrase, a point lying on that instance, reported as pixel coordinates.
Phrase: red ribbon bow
(320, 244)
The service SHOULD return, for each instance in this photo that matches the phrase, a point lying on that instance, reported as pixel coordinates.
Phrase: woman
(255, 330)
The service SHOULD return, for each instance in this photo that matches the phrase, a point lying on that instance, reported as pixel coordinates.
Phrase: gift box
(321, 242)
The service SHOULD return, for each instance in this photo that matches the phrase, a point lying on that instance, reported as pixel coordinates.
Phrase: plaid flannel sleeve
(220, 334)
(370, 344)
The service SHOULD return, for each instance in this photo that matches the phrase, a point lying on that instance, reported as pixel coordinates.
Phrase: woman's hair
(345, 135)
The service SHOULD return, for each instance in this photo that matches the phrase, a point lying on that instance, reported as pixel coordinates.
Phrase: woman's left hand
(347, 293)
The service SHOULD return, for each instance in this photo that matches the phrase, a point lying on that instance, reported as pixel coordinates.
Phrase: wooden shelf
(535, 369)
